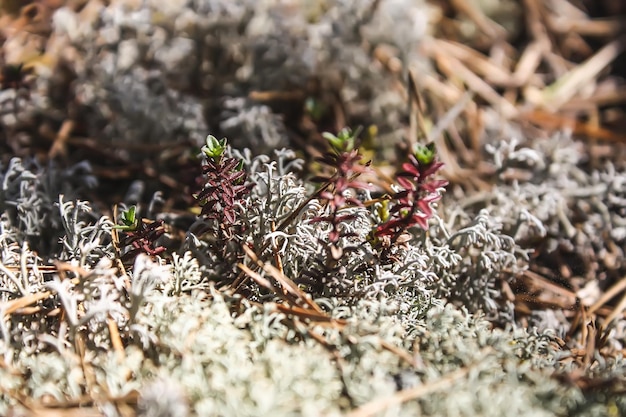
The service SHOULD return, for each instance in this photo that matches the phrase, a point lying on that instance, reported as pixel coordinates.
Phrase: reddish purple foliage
(143, 239)
(224, 186)
(412, 206)
(347, 166)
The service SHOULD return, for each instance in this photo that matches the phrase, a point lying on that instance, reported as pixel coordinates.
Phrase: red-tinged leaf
(420, 219)
(345, 218)
(327, 195)
(228, 200)
(438, 184)
(405, 183)
(424, 206)
(228, 165)
(401, 194)
(433, 197)
(320, 219)
(229, 215)
(432, 168)
(360, 185)
(236, 175)
(389, 228)
(411, 169)
(433, 186)
(210, 204)
(209, 166)
(241, 190)
(338, 201)
(154, 252)
(413, 160)
(228, 191)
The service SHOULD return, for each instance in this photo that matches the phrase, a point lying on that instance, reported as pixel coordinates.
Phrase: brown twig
(376, 406)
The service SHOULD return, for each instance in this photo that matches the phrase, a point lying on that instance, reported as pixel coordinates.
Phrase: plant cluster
(412, 204)
(351, 230)
(281, 295)
(338, 194)
(383, 267)
(223, 186)
(160, 329)
(138, 236)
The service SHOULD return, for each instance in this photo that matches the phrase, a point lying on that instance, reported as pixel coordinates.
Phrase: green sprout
(345, 140)
(130, 220)
(315, 108)
(214, 148)
(425, 154)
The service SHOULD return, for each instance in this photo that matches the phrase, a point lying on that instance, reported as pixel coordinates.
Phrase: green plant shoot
(214, 148)
(130, 220)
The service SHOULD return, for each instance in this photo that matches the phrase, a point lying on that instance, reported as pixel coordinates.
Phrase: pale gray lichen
(145, 73)
(227, 355)
(157, 73)
(258, 363)
(28, 195)
(554, 199)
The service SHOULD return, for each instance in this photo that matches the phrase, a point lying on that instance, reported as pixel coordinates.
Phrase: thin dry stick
(265, 283)
(617, 312)
(567, 9)
(115, 241)
(417, 124)
(14, 305)
(590, 342)
(613, 97)
(526, 67)
(446, 92)
(449, 117)
(59, 147)
(612, 292)
(242, 278)
(478, 62)
(477, 84)
(286, 283)
(13, 278)
(476, 15)
(116, 339)
(597, 27)
(277, 259)
(550, 121)
(401, 353)
(81, 407)
(89, 374)
(563, 89)
(376, 406)
(256, 277)
(535, 23)
(307, 313)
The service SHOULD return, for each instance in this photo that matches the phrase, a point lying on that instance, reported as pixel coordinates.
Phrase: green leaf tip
(214, 148)
(344, 141)
(129, 219)
(425, 154)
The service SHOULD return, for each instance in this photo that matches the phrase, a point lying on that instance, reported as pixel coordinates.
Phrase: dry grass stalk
(379, 405)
